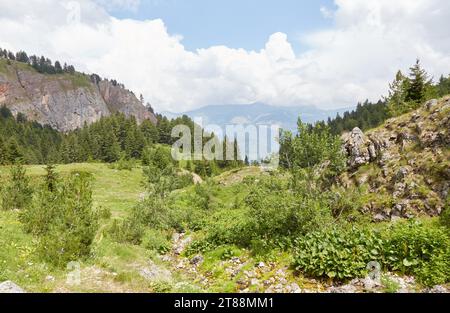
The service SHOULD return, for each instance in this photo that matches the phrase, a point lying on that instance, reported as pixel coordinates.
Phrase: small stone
(10, 287)
(379, 218)
(343, 289)
(295, 288)
(282, 280)
(50, 278)
(439, 289)
(430, 104)
(254, 282)
(197, 260)
(280, 273)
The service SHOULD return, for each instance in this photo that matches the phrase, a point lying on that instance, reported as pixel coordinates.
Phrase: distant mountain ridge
(258, 113)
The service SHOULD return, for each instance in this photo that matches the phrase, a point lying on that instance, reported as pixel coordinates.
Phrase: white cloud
(131, 5)
(352, 61)
(326, 12)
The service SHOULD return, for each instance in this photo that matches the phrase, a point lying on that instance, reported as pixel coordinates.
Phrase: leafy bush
(276, 211)
(419, 249)
(313, 146)
(156, 240)
(338, 253)
(445, 216)
(124, 164)
(158, 156)
(151, 212)
(17, 193)
(201, 197)
(410, 248)
(36, 219)
(183, 180)
(104, 213)
(127, 231)
(436, 271)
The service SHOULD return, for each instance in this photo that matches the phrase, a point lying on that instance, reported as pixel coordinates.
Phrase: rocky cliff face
(64, 101)
(403, 166)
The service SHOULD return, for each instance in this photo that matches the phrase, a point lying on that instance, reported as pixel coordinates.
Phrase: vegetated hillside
(65, 101)
(403, 165)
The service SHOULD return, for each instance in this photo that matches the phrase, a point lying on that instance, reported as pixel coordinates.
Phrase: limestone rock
(10, 287)
(66, 102)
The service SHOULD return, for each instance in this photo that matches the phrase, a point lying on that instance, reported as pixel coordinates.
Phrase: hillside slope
(403, 166)
(64, 101)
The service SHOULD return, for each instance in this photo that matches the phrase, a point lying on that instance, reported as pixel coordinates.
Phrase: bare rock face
(362, 149)
(409, 163)
(65, 102)
(121, 100)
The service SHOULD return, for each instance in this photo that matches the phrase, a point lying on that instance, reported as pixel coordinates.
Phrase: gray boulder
(10, 287)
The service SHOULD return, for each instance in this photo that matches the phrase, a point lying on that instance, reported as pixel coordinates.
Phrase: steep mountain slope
(403, 166)
(64, 101)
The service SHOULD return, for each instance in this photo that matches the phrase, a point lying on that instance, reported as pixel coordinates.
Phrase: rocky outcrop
(362, 149)
(124, 101)
(65, 101)
(403, 164)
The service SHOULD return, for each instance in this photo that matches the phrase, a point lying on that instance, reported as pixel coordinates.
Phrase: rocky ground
(177, 273)
(270, 277)
(404, 164)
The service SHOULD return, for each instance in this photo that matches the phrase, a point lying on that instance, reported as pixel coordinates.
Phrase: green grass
(112, 189)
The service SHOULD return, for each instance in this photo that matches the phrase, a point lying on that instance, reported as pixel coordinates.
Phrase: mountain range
(257, 113)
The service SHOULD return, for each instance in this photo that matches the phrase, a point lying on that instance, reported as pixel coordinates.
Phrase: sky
(234, 23)
(182, 55)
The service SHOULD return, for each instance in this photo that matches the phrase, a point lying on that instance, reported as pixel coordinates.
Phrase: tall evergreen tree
(418, 82)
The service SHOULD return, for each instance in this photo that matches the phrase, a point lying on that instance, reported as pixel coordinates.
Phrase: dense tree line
(366, 115)
(26, 140)
(41, 64)
(406, 93)
(108, 140)
(44, 65)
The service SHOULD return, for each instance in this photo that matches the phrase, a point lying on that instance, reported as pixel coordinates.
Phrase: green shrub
(17, 193)
(445, 216)
(69, 234)
(277, 211)
(410, 248)
(125, 164)
(183, 180)
(127, 231)
(201, 197)
(156, 240)
(419, 249)
(149, 213)
(36, 218)
(436, 271)
(338, 253)
(104, 213)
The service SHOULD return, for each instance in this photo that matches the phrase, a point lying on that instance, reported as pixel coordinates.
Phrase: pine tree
(2, 152)
(51, 178)
(418, 82)
(397, 94)
(58, 68)
(17, 193)
(13, 153)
